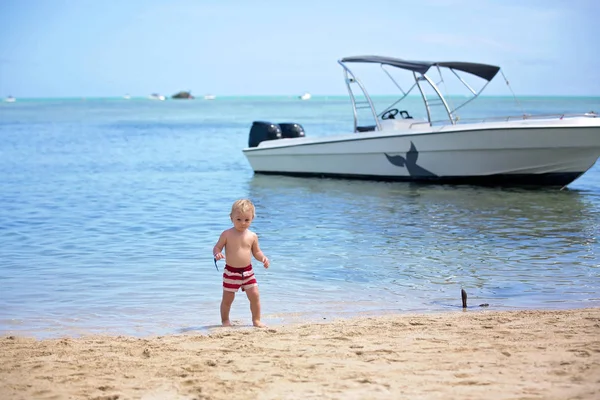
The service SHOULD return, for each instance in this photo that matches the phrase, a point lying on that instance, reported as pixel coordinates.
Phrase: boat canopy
(485, 71)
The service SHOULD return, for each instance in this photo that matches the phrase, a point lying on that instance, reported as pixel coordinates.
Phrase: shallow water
(109, 210)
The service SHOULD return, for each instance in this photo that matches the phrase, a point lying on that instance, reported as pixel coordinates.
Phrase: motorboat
(209, 97)
(156, 96)
(305, 96)
(10, 99)
(539, 150)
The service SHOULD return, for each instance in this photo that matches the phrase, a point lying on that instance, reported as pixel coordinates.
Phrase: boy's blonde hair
(243, 206)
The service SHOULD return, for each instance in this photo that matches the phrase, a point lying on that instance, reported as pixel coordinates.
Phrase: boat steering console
(392, 112)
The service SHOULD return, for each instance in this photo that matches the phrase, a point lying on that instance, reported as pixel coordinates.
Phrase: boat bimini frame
(419, 70)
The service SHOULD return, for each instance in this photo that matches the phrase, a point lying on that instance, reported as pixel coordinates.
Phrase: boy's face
(241, 221)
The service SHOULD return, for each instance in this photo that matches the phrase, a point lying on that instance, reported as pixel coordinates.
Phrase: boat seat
(367, 128)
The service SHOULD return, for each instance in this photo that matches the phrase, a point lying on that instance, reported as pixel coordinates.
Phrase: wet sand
(455, 355)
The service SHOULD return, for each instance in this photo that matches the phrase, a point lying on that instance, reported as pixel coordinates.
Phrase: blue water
(109, 210)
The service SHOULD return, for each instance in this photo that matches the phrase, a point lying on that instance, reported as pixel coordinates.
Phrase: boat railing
(522, 117)
(350, 79)
(528, 117)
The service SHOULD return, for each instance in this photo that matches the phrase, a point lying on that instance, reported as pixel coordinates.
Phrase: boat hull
(551, 154)
(551, 179)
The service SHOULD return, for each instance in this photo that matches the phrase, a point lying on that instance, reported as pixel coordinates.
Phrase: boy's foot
(258, 324)
(226, 323)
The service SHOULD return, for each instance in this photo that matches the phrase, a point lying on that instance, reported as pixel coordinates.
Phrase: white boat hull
(542, 152)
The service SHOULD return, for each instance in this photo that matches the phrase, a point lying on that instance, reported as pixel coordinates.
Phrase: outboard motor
(262, 131)
(291, 130)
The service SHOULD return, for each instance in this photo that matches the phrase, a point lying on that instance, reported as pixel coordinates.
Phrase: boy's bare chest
(240, 242)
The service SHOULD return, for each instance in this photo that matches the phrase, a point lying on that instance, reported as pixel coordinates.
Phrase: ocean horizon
(293, 96)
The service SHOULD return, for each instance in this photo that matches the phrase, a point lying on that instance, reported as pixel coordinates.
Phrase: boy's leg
(226, 307)
(254, 298)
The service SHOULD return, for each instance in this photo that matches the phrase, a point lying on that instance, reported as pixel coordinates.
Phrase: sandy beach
(462, 355)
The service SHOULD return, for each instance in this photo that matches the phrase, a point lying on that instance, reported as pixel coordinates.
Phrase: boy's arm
(258, 254)
(219, 246)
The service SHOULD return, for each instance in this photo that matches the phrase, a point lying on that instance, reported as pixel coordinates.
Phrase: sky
(106, 48)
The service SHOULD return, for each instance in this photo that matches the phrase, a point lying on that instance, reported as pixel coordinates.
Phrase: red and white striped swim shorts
(235, 278)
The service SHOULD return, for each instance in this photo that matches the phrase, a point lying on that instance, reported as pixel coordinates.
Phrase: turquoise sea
(109, 209)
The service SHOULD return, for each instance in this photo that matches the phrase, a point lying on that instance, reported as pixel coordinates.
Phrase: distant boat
(183, 95)
(10, 99)
(156, 96)
(127, 96)
(209, 97)
(305, 96)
